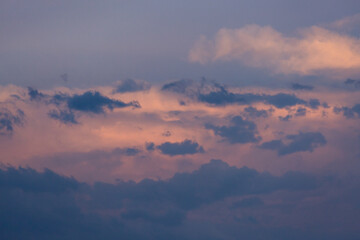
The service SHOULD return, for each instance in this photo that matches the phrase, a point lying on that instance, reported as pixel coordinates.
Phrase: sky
(180, 120)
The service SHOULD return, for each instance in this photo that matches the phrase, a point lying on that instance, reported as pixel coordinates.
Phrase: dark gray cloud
(182, 86)
(216, 94)
(314, 103)
(239, 131)
(349, 112)
(180, 148)
(88, 102)
(8, 120)
(254, 113)
(95, 102)
(39, 205)
(286, 118)
(352, 83)
(35, 94)
(150, 146)
(130, 85)
(64, 116)
(300, 112)
(301, 142)
(298, 86)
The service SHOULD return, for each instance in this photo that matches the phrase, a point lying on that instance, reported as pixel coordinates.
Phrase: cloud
(300, 112)
(64, 116)
(95, 102)
(314, 50)
(182, 148)
(349, 112)
(29, 180)
(352, 83)
(36, 205)
(217, 94)
(286, 118)
(298, 86)
(254, 113)
(131, 85)
(239, 131)
(301, 142)
(8, 120)
(35, 94)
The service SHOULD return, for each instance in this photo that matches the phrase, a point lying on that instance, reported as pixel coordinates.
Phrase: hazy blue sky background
(97, 42)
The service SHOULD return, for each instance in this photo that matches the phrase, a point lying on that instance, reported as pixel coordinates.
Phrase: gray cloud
(8, 120)
(349, 112)
(239, 131)
(181, 148)
(301, 142)
(131, 85)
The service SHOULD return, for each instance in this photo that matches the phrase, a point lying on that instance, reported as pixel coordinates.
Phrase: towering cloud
(312, 50)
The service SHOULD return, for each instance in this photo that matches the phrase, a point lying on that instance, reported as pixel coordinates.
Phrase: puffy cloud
(35, 94)
(38, 204)
(301, 142)
(8, 120)
(314, 50)
(181, 148)
(239, 131)
(65, 116)
(94, 102)
(352, 83)
(131, 85)
(349, 112)
(253, 112)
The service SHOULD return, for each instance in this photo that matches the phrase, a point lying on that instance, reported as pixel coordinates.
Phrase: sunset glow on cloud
(117, 121)
(314, 50)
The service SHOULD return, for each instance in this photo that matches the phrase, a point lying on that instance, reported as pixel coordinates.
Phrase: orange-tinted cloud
(312, 51)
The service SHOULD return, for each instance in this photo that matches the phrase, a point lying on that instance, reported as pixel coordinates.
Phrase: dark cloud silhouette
(43, 205)
(35, 94)
(95, 102)
(239, 131)
(8, 120)
(352, 83)
(130, 85)
(286, 118)
(314, 103)
(224, 97)
(180, 86)
(217, 94)
(300, 112)
(254, 113)
(64, 116)
(301, 142)
(150, 146)
(29, 180)
(349, 112)
(181, 148)
(298, 86)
